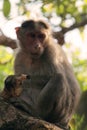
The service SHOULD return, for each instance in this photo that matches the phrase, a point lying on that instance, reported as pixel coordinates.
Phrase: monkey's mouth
(35, 55)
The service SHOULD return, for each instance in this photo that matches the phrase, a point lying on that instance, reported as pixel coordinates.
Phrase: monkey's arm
(14, 87)
(48, 95)
(12, 91)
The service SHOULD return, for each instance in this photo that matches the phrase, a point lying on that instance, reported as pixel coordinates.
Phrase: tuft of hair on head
(28, 23)
(33, 23)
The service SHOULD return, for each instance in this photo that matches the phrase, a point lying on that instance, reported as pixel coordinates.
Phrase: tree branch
(76, 25)
(60, 35)
(13, 119)
(6, 41)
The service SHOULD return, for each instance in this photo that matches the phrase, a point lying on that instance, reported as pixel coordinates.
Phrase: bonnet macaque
(52, 92)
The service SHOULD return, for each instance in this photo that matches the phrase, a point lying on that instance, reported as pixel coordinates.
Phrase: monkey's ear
(17, 29)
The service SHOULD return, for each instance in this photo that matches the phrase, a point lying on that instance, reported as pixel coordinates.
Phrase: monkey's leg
(52, 98)
(54, 103)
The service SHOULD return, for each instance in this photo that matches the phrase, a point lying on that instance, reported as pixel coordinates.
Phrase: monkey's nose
(37, 47)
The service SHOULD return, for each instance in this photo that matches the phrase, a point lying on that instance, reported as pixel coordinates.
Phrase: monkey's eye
(41, 36)
(32, 35)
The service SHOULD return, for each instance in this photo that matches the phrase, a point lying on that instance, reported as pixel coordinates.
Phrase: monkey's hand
(13, 86)
(22, 105)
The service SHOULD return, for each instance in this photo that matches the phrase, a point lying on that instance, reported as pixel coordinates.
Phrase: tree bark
(12, 118)
(8, 42)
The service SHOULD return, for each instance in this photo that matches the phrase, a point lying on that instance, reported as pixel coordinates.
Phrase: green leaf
(85, 1)
(6, 8)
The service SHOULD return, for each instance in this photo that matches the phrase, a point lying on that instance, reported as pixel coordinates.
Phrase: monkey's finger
(28, 77)
(23, 77)
(14, 100)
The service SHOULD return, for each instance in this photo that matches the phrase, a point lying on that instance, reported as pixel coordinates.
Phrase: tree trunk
(13, 119)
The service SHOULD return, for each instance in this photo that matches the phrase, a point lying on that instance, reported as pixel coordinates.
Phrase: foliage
(79, 65)
(6, 64)
(6, 8)
(80, 68)
(66, 12)
(76, 122)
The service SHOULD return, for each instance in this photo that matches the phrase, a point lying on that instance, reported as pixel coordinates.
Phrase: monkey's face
(35, 43)
(33, 38)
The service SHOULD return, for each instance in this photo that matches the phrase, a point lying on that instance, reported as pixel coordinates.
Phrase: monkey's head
(33, 37)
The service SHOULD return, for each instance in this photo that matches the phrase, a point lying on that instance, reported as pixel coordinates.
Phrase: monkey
(52, 92)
